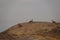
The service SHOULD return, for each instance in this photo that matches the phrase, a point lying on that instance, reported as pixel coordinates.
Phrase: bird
(31, 21)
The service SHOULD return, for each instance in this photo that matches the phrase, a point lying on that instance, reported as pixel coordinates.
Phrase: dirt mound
(32, 31)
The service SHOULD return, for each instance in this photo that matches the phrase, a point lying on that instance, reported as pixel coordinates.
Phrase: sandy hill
(32, 31)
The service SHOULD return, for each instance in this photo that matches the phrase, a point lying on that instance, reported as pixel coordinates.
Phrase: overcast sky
(16, 11)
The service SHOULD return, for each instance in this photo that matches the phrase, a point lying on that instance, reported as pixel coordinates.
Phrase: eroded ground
(32, 31)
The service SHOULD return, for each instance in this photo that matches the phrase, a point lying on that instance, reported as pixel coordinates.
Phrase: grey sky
(15, 11)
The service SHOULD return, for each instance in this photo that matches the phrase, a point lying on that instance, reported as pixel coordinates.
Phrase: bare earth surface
(32, 31)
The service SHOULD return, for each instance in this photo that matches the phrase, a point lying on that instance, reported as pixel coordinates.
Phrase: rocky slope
(32, 31)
